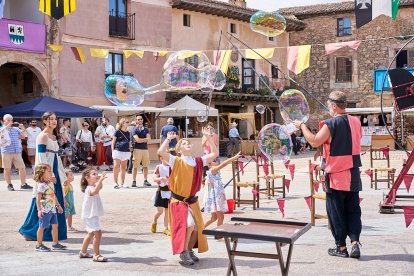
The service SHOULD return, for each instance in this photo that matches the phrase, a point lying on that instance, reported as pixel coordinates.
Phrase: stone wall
(373, 53)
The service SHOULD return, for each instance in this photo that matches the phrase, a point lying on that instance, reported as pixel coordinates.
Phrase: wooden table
(280, 232)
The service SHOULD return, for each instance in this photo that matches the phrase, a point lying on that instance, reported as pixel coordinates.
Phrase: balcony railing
(122, 25)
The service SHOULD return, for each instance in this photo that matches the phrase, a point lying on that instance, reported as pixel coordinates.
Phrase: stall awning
(129, 110)
(188, 107)
(368, 110)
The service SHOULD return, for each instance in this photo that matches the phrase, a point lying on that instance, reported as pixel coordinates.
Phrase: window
(233, 28)
(343, 69)
(186, 20)
(121, 24)
(344, 26)
(271, 38)
(114, 64)
(193, 60)
(405, 59)
(275, 72)
(248, 77)
(28, 82)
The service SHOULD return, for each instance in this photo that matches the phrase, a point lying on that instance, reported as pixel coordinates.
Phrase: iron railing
(122, 25)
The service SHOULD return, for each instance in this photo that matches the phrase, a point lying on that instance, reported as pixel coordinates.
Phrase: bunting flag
(408, 179)
(298, 58)
(259, 53)
(57, 8)
(222, 59)
(287, 164)
(265, 166)
(254, 158)
(241, 166)
(316, 186)
(333, 47)
(287, 184)
(187, 54)
(309, 201)
(408, 215)
(129, 53)
(368, 172)
(385, 151)
(292, 171)
(78, 53)
(99, 53)
(159, 54)
(367, 10)
(55, 48)
(254, 192)
(360, 200)
(312, 168)
(281, 204)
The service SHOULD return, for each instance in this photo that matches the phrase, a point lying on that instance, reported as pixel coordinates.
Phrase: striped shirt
(16, 144)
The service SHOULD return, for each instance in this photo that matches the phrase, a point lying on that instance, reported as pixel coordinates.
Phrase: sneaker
(186, 258)
(134, 184)
(117, 186)
(42, 248)
(25, 186)
(193, 256)
(335, 251)
(146, 183)
(58, 246)
(355, 252)
(154, 227)
(167, 232)
(71, 229)
(10, 187)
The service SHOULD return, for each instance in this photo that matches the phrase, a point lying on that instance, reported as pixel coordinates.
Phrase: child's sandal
(99, 259)
(84, 255)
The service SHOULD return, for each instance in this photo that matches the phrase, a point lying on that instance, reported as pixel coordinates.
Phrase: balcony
(379, 78)
(122, 25)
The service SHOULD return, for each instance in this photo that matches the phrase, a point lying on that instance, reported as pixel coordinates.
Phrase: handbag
(4, 138)
(79, 144)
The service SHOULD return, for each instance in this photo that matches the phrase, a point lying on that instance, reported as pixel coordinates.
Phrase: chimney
(240, 3)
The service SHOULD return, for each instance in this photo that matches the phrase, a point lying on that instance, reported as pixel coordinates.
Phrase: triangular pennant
(309, 201)
(55, 48)
(408, 179)
(259, 53)
(99, 53)
(129, 53)
(368, 172)
(281, 204)
(265, 166)
(385, 151)
(408, 215)
(241, 166)
(312, 168)
(287, 184)
(292, 170)
(78, 53)
(360, 200)
(316, 186)
(287, 164)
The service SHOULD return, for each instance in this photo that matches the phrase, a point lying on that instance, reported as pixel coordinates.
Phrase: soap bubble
(275, 143)
(202, 116)
(293, 106)
(268, 23)
(260, 108)
(124, 90)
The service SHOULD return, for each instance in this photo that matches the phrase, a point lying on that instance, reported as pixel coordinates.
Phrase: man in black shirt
(141, 137)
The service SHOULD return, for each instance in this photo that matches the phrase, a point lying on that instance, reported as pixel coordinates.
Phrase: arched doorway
(20, 82)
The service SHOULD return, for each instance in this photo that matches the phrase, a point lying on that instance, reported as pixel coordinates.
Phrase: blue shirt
(16, 144)
(122, 140)
(164, 132)
(233, 133)
(141, 132)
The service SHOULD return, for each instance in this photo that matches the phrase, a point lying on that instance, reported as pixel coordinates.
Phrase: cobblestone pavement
(388, 246)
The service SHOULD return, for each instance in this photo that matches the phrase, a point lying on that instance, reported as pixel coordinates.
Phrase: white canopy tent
(188, 107)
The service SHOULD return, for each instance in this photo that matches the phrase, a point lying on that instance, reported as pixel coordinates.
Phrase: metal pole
(186, 127)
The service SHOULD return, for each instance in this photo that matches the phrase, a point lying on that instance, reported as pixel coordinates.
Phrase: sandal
(99, 259)
(84, 255)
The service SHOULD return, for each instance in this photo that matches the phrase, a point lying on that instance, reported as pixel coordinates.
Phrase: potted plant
(233, 80)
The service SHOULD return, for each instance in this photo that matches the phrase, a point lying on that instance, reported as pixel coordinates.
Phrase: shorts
(92, 224)
(141, 156)
(47, 219)
(9, 159)
(31, 152)
(121, 155)
(159, 201)
(191, 219)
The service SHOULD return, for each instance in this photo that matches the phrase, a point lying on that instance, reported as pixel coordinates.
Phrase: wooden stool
(237, 184)
(375, 155)
(314, 177)
(270, 178)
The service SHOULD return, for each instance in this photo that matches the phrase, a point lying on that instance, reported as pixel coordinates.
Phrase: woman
(84, 139)
(121, 151)
(47, 149)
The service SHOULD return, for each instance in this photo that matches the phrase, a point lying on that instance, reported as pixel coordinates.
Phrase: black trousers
(344, 214)
(108, 155)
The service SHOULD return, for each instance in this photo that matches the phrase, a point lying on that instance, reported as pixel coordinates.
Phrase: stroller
(78, 158)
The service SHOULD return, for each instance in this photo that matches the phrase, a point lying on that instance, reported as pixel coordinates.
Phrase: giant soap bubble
(124, 90)
(275, 142)
(293, 106)
(268, 23)
(260, 108)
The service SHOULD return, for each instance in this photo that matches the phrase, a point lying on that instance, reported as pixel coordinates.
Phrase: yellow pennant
(99, 53)
(55, 48)
(129, 53)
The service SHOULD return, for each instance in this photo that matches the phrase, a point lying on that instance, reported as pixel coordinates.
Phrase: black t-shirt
(141, 133)
(122, 140)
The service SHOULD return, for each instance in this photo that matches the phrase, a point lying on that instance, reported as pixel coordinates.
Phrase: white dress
(92, 209)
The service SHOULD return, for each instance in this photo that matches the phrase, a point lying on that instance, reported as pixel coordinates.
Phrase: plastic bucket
(230, 205)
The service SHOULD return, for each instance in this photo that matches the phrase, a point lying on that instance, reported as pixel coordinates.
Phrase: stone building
(351, 71)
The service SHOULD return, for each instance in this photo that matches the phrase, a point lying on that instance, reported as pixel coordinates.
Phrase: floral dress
(216, 199)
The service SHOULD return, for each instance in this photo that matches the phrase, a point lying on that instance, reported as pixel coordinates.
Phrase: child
(92, 209)
(46, 203)
(68, 199)
(216, 200)
(162, 196)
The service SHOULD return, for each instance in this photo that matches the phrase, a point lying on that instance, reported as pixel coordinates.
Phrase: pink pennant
(385, 151)
(360, 200)
(241, 166)
(408, 179)
(287, 184)
(312, 168)
(287, 164)
(316, 186)
(408, 215)
(333, 47)
(281, 204)
(292, 170)
(256, 193)
(368, 172)
(308, 201)
(265, 166)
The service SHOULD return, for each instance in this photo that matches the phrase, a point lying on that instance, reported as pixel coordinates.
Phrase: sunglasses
(127, 122)
(86, 125)
(140, 119)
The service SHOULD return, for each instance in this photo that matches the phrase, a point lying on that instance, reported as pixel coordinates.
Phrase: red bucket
(230, 205)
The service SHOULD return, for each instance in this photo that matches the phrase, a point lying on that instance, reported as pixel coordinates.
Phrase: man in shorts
(141, 137)
(32, 132)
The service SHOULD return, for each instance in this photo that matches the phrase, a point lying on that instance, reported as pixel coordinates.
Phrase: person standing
(66, 141)
(84, 138)
(121, 151)
(234, 139)
(32, 132)
(12, 154)
(341, 140)
(104, 134)
(167, 128)
(141, 137)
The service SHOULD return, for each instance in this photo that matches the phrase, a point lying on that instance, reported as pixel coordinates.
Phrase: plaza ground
(387, 245)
